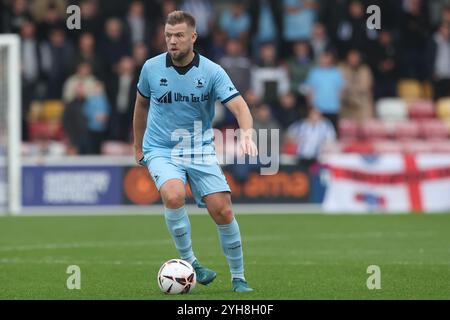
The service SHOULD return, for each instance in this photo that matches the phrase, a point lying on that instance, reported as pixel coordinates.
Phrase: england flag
(388, 183)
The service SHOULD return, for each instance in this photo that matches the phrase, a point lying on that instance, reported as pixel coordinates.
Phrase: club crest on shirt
(200, 82)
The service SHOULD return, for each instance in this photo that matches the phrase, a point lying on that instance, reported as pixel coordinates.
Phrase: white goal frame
(14, 109)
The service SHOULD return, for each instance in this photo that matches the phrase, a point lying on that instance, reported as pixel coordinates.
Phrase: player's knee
(174, 200)
(225, 215)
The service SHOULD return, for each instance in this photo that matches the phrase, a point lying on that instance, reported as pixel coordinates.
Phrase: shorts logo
(166, 97)
(163, 82)
(200, 82)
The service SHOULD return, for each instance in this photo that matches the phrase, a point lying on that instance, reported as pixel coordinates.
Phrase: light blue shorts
(203, 173)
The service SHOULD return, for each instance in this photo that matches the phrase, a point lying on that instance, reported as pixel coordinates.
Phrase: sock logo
(181, 235)
(235, 246)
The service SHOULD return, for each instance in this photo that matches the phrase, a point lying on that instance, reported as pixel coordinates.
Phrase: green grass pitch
(286, 256)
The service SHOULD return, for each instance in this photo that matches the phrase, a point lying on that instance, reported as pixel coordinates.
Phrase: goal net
(10, 125)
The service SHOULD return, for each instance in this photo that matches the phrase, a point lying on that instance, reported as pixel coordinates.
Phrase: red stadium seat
(415, 146)
(361, 147)
(386, 146)
(421, 110)
(45, 131)
(433, 129)
(439, 146)
(406, 130)
(348, 130)
(39, 131)
(374, 130)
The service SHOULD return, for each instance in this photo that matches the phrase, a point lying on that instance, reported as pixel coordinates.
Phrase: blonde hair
(178, 16)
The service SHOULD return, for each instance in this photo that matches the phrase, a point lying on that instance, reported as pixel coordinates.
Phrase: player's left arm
(240, 110)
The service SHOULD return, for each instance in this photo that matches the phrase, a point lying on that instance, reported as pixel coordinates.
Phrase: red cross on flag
(388, 183)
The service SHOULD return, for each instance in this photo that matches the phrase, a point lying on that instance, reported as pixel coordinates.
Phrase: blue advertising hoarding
(71, 186)
(106, 185)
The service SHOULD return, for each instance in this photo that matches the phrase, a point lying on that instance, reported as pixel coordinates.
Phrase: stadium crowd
(311, 68)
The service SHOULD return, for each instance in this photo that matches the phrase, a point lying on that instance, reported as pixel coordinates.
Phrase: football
(176, 276)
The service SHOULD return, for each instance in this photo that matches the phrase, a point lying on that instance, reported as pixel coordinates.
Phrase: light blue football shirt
(326, 84)
(182, 103)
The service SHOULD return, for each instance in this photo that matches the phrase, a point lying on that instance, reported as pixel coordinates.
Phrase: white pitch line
(18, 260)
(106, 244)
(99, 244)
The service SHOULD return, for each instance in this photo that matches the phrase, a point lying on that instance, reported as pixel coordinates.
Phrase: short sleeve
(143, 85)
(224, 88)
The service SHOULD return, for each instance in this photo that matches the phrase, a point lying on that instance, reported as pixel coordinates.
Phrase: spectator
(31, 66)
(96, 110)
(324, 86)
(75, 123)
(287, 110)
(39, 9)
(445, 16)
(237, 65)
(86, 53)
(84, 77)
(385, 65)
(137, 24)
(15, 14)
(91, 20)
(319, 41)
(235, 21)
(140, 55)
(357, 99)
(266, 24)
(269, 78)
(263, 124)
(121, 89)
(264, 120)
(53, 18)
(352, 32)
(439, 61)
(56, 59)
(311, 136)
(114, 45)
(217, 46)
(156, 12)
(299, 64)
(299, 17)
(331, 14)
(415, 34)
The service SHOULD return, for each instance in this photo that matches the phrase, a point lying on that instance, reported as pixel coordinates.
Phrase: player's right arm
(139, 125)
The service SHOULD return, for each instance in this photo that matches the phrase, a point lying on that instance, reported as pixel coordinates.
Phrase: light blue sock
(230, 239)
(177, 222)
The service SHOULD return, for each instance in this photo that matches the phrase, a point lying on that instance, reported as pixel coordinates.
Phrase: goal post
(10, 124)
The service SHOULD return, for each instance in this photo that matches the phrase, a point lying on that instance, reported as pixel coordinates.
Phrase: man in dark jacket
(438, 61)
